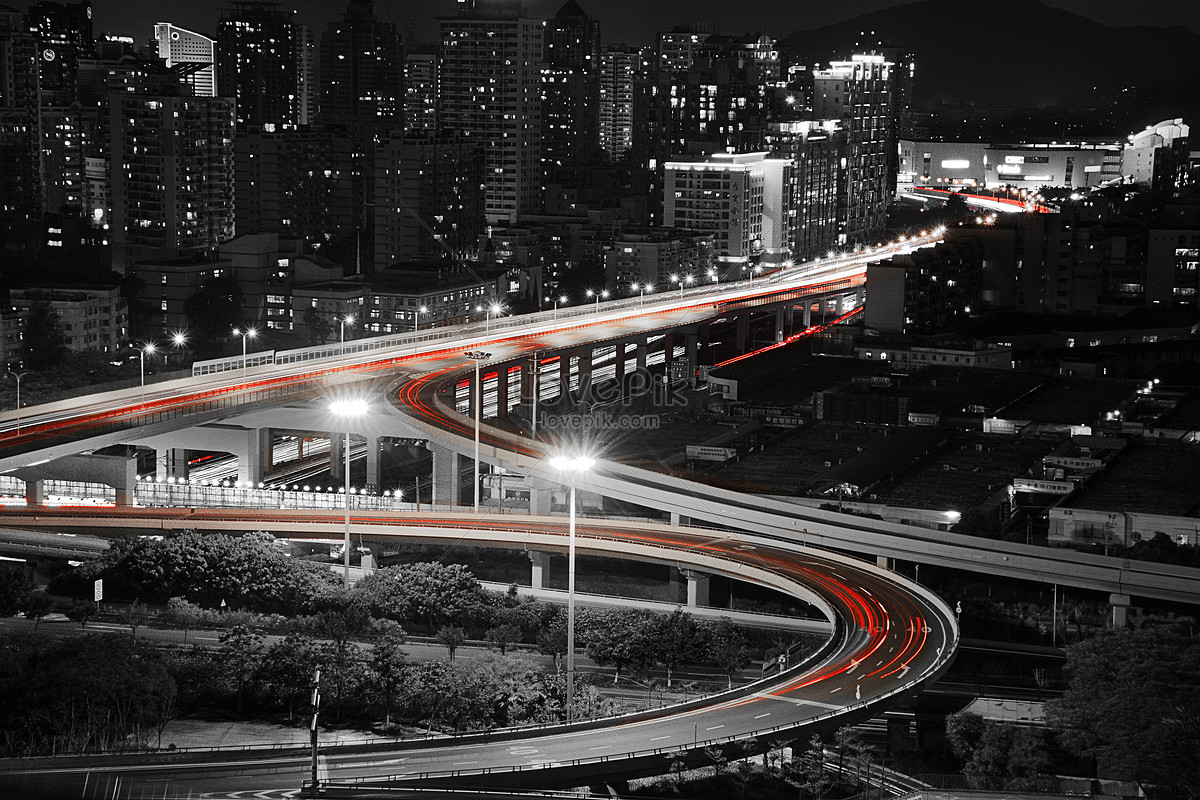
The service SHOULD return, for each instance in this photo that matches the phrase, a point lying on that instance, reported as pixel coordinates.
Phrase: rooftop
(1151, 478)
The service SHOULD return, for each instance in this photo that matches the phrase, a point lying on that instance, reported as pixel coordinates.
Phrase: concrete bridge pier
(639, 354)
(446, 472)
(564, 376)
(807, 314)
(697, 587)
(885, 562)
(1120, 603)
(741, 326)
(539, 571)
(502, 389)
(619, 360)
(171, 463)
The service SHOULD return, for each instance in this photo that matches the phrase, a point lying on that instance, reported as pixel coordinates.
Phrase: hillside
(1021, 53)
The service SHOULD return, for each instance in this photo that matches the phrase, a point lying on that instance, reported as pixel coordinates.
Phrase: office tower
(180, 46)
(257, 63)
(858, 93)
(490, 59)
(172, 173)
(571, 88)
(20, 189)
(420, 88)
(618, 66)
(64, 33)
(429, 204)
(362, 71)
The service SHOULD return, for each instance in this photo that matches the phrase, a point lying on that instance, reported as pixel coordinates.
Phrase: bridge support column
(35, 492)
(619, 361)
(668, 343)
(502, 390)
(585, 370)
(337, 455)
(564, 376)
(691, 350)
(539, 571)
(639, 354)
(374, 474)
(171, 463)
(678, 519)
(445, 475)
(741, 325)
(257, 457)
(697, 588)
(780, 324)
(885, 562)
(1120, 603)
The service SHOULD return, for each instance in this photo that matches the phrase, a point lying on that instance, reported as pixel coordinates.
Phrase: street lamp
(560, 299)
(494, 308)
(573, 465)
(417, 317)
(143, 351)
(642, 288)
(248, 333)
(681, 279)
(348, 319)
(477, 356)
(348, 409)
(598, 295)
(18, 376)
(178, 340)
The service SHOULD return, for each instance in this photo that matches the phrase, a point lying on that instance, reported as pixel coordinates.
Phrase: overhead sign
(1043, 487)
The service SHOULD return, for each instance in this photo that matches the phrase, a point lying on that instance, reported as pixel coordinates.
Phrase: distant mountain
(1021, 53)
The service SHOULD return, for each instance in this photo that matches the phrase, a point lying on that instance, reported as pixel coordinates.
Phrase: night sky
(629, 21)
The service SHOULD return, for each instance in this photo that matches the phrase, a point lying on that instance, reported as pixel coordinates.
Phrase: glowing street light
(417, 317)
(247, 333)
(756, 268)
(557, 300)
(478, 356)
(494, 308)
(148, 349)
(642, 288)
(348, 409)
(18, 376)
(681, 279)
(345, 320)
(573, 466)
(598, 295)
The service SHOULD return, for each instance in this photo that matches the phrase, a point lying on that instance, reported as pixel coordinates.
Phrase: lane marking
(659, 738)
(714, 728)
(760, 716)
(798, 701)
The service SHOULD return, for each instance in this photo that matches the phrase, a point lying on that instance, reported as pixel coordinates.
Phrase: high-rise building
(571, 88)
(742, 199)
(490, 59)
(362, 71)
(306, 75)
(420, 88)
(20, 179)
(858, 92)
(257, 63)
(180, 46)
(172, 174)
(429, 200)
(618, 66)
(64, 33)
(815, 148)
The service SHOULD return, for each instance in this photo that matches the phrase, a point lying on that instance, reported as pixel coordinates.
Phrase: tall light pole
(681, 279)
(641, 289)
(573, 465)
(559, 299)
(347, 319)
(478, 356)
(148, 349)
(248, 333)
(598, 294)
(494, 308)
(417, 317)
(348, 409)
(18, 376)
(754, 269)
(178, 340)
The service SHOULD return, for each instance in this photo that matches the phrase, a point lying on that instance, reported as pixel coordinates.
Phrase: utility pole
(316, 704)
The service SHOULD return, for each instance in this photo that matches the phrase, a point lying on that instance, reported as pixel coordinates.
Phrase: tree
(811, 770)
(552, 641)
(620, 638)
(500, 636)
(81, 611)
(728, 648)
(241, 653)
(320, 326)
(429, 593)
(45, 346)
(1121, 688)
(14, 588)
(452, 637)
(36, 606)
(135, 616)
(287, 669)
(390, 665)
(181, 612)
(677, 639)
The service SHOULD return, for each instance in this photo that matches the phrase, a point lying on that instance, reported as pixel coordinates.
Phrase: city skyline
(626, 21)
